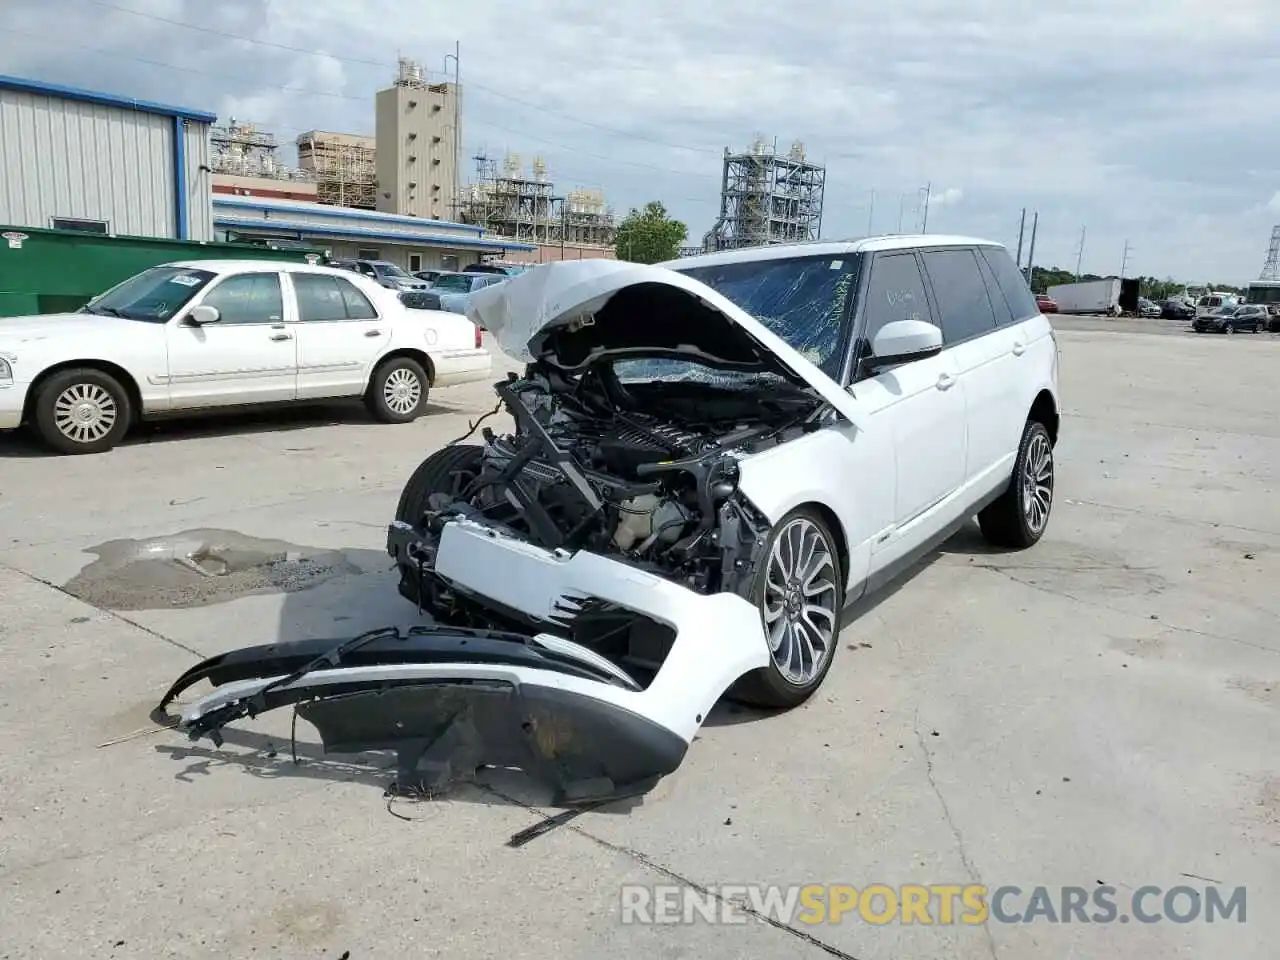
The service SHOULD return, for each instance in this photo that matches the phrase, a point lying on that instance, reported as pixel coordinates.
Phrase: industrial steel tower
(767, 197)
(1271, 269)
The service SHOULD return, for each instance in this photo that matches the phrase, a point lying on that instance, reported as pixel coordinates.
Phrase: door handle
(373, 333)
(282, 336)
(1018, 349)
(946, 381)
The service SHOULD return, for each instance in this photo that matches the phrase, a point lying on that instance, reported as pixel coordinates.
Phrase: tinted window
(357, 304)
(1012, 284)
(803, 300)
(1004, 315)
(248, 298)
(894, 292)
(319, 297)
(961, 294)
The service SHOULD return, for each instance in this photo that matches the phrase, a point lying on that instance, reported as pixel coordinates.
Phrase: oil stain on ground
(196, 568)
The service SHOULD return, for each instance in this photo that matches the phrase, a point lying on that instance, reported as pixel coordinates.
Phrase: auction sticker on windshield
(186, 279)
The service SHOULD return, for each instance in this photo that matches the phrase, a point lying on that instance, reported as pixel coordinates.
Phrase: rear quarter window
(1012, 285)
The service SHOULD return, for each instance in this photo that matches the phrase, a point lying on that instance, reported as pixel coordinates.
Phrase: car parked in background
(1148, 308)
(1176, 308)
(455, 289)
(427, 276)
(1046, 303)
(1211, 303)
(1231, 318)
(384, 273)
(217, 334)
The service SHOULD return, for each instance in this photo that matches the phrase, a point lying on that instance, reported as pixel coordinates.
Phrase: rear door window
(961, 294)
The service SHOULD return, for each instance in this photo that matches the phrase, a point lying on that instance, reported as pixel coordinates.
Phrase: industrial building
(343, 165)
(767, 197)
(413, 243)
(418, 133)
(245, 163)
(76, 159)
(527, 209)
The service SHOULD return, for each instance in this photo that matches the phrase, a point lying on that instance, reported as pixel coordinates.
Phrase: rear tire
(448, 470)
(1019, 518)
(398, 391)
(799, 590)
(82, 411)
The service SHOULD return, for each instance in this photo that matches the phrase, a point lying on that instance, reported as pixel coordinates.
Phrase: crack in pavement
(113, 614)
(1066, 595)
(648, 862)
(974, 875)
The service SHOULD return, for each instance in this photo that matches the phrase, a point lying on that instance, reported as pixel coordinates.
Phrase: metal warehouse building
(413, 243)
(76, 159)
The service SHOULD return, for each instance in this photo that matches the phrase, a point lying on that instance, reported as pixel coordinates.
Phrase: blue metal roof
(364, 233)
(328, 210)
(43, 89)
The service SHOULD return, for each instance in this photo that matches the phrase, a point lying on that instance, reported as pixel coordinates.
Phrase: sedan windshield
(153, 296)
(390, 270)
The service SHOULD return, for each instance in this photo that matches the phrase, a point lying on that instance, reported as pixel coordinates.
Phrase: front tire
(447, 471)
(799, 590)
(398, 391)
(1019, 518)
(82, 411)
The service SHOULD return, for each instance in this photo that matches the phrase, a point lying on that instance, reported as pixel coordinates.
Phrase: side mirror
(201, 315)
(903, 341)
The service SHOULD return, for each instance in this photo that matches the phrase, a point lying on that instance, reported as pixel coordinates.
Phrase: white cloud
(1076, 124)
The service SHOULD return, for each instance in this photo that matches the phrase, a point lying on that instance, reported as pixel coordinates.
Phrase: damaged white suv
(710, 459)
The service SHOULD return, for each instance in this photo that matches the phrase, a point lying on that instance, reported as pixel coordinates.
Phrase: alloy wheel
(799, 605)
(402, 391)
(1037, 483)
(85, 412)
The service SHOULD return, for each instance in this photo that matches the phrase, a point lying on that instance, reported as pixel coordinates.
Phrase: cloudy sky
(1151, 122)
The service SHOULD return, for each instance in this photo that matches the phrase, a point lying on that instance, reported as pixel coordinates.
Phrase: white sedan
(203, 335)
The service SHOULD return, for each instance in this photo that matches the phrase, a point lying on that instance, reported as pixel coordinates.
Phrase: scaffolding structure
(767, 197)
(344, 166)
(514, 206)
(1271, 267)
(241, 149)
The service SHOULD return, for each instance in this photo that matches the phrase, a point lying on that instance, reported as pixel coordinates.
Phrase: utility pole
(1022, 229)
(563, 224)
(924, 222)
(902, 208)
(1080, 254)
(1031, 254)
(1125, 261)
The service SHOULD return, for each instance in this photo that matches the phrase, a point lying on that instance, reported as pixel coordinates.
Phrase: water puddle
(196, 568)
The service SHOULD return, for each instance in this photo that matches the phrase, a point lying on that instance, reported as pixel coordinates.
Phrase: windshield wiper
(105, 312)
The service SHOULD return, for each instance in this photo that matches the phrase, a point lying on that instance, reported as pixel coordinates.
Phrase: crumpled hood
(43, 326)
(523, 312)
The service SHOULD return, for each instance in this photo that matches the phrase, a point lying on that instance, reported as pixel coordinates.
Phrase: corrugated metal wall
(199, 182)
(65, 158)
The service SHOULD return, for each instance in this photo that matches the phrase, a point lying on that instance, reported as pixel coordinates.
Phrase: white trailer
(1090, 296)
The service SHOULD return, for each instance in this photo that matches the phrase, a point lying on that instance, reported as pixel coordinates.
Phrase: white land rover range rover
(710, 459)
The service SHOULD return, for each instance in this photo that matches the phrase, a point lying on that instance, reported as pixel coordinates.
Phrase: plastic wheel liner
(448, 700)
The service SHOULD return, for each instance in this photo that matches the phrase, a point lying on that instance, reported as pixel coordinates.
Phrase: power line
(365, 100)
(378, 63)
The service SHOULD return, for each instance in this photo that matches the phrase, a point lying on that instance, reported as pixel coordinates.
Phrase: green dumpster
(58, 271)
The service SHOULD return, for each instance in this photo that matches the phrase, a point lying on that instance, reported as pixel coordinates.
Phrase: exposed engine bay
(643, 472)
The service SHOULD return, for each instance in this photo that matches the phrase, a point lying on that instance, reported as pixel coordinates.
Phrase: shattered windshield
(803, 300)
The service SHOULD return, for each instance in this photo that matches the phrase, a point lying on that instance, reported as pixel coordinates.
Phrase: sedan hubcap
(402, 391)
(1037, 483)
(800, 601)
(85, 412)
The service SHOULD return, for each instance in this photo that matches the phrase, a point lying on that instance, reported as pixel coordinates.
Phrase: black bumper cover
(586, 750)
